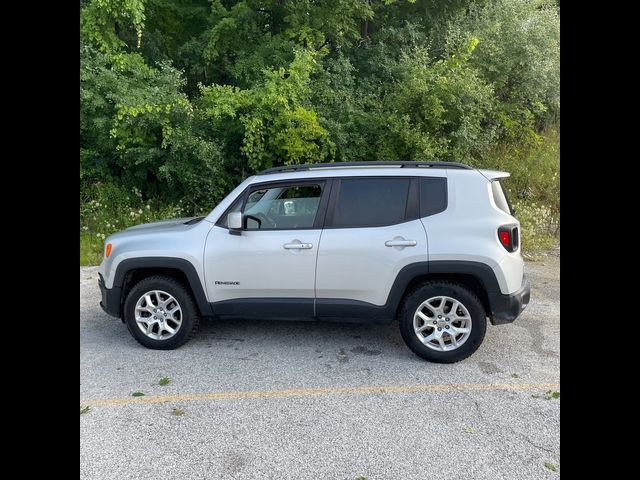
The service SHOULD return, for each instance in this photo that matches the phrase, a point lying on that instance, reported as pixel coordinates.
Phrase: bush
(106, 208)
(540, 227)
(518, 53)
(437, 109)
(137, 129)
(535, 171)
(533, 188)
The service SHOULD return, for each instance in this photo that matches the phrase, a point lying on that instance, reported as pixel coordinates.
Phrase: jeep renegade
(432, 244)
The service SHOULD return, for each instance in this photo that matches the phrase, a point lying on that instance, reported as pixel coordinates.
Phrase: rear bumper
(506, 308)
(110, 301)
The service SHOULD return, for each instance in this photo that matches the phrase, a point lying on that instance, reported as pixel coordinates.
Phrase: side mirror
(234, 222)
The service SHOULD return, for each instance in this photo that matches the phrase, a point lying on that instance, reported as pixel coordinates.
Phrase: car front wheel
(160, 313)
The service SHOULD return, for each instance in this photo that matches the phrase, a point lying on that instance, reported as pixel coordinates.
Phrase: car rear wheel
(442, 321)
(160, 313)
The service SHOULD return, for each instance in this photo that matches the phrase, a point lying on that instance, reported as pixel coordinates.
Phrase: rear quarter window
(500, 197)
(433, 196)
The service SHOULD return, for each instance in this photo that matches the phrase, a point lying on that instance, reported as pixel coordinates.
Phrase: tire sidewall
(458, 292)
(182, 297)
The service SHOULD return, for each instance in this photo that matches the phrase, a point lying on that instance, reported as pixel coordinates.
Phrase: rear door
(371, 232)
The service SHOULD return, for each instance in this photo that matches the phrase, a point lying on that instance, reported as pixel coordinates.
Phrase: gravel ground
(229, 411)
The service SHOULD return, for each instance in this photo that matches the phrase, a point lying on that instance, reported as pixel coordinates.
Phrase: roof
(345, 165)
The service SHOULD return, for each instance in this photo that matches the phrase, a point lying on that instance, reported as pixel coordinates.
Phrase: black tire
(430, 289)
(190, 314)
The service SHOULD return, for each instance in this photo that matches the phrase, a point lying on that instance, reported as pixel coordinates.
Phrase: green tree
(181, 98)
(138, 129)
(438, 110)
(101, 21)
(275, 126)
(519, 54)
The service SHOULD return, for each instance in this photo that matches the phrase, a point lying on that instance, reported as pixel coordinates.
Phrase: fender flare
(483, 272)
(184, 266)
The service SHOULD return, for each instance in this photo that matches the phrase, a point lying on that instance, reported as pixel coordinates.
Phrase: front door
(269, 269)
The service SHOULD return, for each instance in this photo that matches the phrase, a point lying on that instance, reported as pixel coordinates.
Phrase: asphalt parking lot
(286, 400)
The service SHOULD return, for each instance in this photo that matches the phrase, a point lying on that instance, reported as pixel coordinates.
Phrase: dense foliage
(181, 99)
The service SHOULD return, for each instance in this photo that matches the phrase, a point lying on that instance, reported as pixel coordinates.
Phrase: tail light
(509, 237)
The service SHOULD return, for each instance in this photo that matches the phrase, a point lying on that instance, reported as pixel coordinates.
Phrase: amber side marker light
(107, 250)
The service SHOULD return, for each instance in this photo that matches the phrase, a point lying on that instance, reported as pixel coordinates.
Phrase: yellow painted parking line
(309, 392)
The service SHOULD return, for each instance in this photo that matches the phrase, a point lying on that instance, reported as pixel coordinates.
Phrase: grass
(90, 249)
(84, 410)
(549, 395)
(137, 394)
(550, 466)
(164, 381)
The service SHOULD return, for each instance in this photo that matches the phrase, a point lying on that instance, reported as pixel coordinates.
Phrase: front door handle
(400, 243)
(298, 246)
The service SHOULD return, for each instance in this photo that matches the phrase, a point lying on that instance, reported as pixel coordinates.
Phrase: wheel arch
(130, 271)
(476, 276)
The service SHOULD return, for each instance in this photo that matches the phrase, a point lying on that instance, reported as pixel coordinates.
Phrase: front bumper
(110, 302)
(506, 308)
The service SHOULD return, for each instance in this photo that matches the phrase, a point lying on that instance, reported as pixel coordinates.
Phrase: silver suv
(432, 244)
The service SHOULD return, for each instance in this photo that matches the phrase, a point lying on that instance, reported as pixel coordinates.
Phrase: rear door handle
(400, 243)
(298, 246)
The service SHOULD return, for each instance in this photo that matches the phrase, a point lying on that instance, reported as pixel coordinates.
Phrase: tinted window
(371, 202)
(283, 207)
(433, 196)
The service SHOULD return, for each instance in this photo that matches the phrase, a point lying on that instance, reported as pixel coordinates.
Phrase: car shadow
(362, 338)
(265, 335)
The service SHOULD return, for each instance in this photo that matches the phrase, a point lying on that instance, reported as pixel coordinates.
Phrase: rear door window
(370, 202)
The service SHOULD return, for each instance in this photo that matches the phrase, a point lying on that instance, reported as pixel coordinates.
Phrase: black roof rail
(401, 164)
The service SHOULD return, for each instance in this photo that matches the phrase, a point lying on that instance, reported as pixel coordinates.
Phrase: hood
(164, 225)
